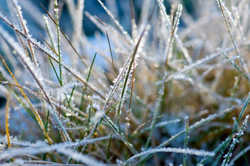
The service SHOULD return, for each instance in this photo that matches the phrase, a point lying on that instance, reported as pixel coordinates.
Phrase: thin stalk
(52, 46)
(88, 77)
(244, 107)
(83, 59)
(91, 67)
(128, 73)
(111, 54)
(56, 10)
(25, 30)
(228, 27)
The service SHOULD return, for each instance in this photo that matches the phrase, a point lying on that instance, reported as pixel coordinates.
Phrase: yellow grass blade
(36, 114)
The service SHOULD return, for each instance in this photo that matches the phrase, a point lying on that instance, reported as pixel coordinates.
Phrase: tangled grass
(164, 94)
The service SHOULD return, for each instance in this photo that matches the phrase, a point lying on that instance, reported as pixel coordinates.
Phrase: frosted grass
(40, 147)
(23, 23)
(192, 127)
(235, 141)
(174, 27)
(200, 62)
(229, 21)
(21, 53)
(132, 65)
(36, 75)
(108, 91)
(116, 22)
(198, 124)
(172, 150)
(52, 55)
(80, 157)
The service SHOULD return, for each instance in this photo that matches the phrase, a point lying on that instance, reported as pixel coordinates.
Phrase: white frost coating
(126, 35)
(178, 15)
(20, 14)
(116, 82)
(16, 162)
(172, 150)
(162, 124)
(235, 141)
(131, 67)
(35, 73)
(164, 14)
(15, 141)
(80, 157)
(198, 124)
(174, 28)
(122, 72)
(228, 15)
(229, 22)
(199, 62)
(183, 77)
(21, 53)
(99, 114)
(35, 149)
(25, 29)
(67, 87)
(42, 47)
(49, 29)
(140, 48)
(166, 20)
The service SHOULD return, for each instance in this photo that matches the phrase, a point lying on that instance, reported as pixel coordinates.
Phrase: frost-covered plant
(127, 103)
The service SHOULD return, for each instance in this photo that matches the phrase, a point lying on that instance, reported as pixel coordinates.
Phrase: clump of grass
(133, 109)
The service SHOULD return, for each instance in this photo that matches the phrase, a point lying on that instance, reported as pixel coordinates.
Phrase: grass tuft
(160, 86)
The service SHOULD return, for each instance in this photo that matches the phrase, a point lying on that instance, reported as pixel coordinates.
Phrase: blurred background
(32, 10)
